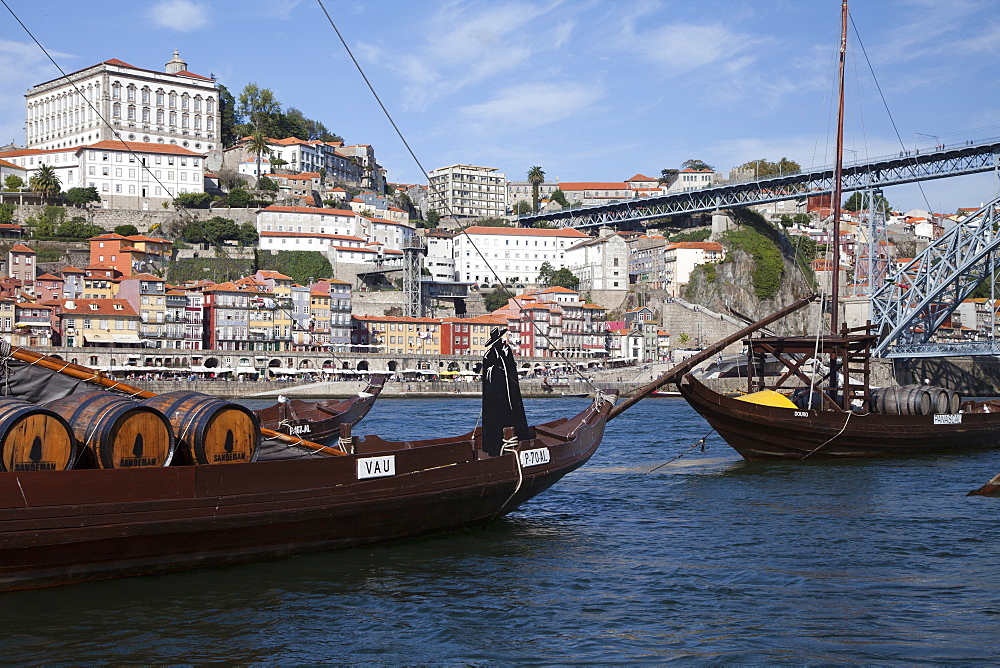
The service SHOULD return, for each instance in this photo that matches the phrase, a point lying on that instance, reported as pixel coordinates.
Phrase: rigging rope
(461, 228)
(700, 441)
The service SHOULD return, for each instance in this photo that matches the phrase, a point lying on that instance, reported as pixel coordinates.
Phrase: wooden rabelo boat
(845, 419)
(821, 404)
(63, 526)
(320, 421)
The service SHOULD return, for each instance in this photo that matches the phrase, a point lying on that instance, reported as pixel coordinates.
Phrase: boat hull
(319, 421)
(759, 432)
(58, 527)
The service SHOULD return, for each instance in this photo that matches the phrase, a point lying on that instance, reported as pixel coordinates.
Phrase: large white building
(601, 263)
(127, 175)
(345, 235)
(467, 191)
(515, 254)
(137, 105)
(682, 257)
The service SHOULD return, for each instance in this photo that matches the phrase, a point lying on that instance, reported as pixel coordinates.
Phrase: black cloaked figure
(502, 405)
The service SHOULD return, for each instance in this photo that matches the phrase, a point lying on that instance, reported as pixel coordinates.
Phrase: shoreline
(268, 391)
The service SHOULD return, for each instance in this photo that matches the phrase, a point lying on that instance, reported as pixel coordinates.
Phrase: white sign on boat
(534, 457)
(376, 467)
(954, 418)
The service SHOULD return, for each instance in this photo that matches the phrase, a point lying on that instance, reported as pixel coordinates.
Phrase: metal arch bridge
(923, 294)
(954, 160)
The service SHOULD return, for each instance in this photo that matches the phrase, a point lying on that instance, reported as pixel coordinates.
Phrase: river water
(707, 560)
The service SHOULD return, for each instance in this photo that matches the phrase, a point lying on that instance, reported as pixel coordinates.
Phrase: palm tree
(45, 182)
(536, 176)
(258, 145)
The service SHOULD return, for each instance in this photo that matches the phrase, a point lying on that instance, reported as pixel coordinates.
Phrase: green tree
(522, 207)
(13, 183)
(193, 200)
(239, 198)
(248, 235)
(258, 145)
(83, 196)
(78, 228)
(126, 230)
(267, 185)
(765, 168)
(259, 110)
(564, 278)
(7, 213)
(496, 298)
(45, 182)
(693, 235)
(559, 197)
(859, 201)
(668, 176)
(699, 165)
(432, 219)
(544, 278)
(212, 231)
(536, 176)
(227, 116)
(301, 266)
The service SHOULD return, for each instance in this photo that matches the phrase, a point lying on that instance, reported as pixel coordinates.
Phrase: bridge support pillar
(720, 223)
(857, 310)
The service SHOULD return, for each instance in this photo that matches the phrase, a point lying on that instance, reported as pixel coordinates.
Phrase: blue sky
(588, 90)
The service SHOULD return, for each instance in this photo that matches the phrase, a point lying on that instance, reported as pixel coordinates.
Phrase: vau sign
(376, 467)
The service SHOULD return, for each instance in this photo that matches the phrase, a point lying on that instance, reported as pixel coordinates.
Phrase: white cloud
(182, 15)
(467, 44)
(528, 105)
(678, 48)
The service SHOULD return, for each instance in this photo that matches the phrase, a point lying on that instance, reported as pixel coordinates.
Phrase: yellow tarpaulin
(768, 398)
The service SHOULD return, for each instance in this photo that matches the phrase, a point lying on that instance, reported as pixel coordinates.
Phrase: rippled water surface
(706, 560)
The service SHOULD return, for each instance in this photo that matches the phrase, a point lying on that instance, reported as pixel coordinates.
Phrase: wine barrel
(118, 431)
(210, 430)
(939, 399)
(33, 438)
(954, 401)
(889, 401)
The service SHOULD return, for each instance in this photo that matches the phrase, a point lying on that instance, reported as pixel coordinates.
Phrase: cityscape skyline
(534, 81)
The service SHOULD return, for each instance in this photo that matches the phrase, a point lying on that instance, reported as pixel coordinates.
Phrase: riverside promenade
(624, 380)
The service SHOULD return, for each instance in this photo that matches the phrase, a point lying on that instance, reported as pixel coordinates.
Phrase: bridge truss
(877, 173)
(915, 302)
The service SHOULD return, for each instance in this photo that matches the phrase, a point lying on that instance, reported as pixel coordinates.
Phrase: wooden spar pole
(93, 376)
(837, 177)
(674, 373)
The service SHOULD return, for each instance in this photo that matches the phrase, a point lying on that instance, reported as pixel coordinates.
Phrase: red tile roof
(104, 307)
(308, 209)
(593, 185)
(527, 231)
(139, 147)
(21, 248)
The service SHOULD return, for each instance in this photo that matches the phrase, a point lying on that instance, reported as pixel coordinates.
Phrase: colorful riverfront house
(106, 323)
(397, 335)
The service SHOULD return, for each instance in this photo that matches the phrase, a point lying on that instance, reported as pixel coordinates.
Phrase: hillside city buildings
(141, 137)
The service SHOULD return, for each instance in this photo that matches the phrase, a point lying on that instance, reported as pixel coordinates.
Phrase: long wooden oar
(94, 376)
(675, 373)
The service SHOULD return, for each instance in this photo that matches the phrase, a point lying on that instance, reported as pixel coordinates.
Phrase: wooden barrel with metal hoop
(117, 431)
(33, 438)
(210, 430)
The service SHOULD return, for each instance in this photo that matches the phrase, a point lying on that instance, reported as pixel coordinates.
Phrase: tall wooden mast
(837, 172)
